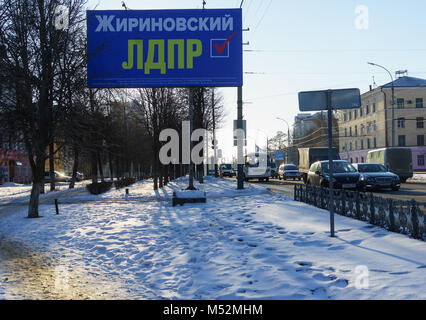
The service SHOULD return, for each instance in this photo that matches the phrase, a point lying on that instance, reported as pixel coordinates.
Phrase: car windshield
(371, 168)
(339, 167)
(290, 167)
(226, 166)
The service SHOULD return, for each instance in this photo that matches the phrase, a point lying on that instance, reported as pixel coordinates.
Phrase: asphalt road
(408, 191)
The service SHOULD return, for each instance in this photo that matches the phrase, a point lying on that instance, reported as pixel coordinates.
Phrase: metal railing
(406, 217)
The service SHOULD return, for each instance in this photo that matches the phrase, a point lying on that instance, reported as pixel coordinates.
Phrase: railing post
(391, 216)
(414, 219)
(372, 210)
(295, 192)
(357, 206)
(343, 208)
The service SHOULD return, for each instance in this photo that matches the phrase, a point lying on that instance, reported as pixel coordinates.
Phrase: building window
(419, 103)
(362, 159)
(420, 140)
(362, 129)
(421, 160)
(362, 144)
(356, 131)
(355, 114)
(350, 116)
(375, 125)
(368, 144)
(420, 122)
(350, 132)
(401, 103)
(346, 132)
(356, 159)
(401, 123)
(401, 141)
(344, 117)
(350, 146)
(356, 146)
(375, 142)
(374, 107)
(360, 112)
(369, 128)
(367, 109)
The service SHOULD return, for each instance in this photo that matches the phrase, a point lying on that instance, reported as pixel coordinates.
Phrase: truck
(308, 156)
(396, 160)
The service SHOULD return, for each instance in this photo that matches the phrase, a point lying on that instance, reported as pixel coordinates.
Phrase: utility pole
(216, 173)
(393, 100)
(240, 142)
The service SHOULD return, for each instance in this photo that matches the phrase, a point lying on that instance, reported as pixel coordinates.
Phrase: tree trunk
(94, 168)
(51, 167)
(38, 177)
(101, 171)
(75, 167)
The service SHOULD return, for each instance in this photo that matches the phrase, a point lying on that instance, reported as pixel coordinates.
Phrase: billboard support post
(191, 127)
(240, 143)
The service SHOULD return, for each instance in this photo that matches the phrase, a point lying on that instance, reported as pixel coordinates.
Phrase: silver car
(289, 171)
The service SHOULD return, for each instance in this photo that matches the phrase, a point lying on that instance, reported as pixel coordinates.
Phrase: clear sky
(309, 45)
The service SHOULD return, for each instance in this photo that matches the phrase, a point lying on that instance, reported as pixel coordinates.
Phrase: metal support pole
(191, 127)
(240, 143)
(330, 161)
(216, 171)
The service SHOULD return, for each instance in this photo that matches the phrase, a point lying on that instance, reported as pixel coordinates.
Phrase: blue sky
(309, 45)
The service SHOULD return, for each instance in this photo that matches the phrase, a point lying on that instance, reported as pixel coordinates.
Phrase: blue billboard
(164, 48)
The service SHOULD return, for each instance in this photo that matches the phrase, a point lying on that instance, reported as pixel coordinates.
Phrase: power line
(263, 17)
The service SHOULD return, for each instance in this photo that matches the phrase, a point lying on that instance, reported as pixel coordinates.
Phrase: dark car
(345, 176)
(376, 176)
(274, 170)
(226, 170)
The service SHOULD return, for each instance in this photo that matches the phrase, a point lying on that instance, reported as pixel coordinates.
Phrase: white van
(257, 166)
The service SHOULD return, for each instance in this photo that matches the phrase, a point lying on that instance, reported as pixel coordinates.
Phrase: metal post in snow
(240, 143)
(191, 120)
(330, 161)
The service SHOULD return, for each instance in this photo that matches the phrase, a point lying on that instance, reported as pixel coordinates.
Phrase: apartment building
(370, 126)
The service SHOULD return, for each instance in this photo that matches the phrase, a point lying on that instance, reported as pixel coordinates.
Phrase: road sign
(279, 156)
(329, 100)
(340, 99)
(164, 48)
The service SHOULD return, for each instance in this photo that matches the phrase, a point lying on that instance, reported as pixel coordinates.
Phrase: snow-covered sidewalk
(247, 244)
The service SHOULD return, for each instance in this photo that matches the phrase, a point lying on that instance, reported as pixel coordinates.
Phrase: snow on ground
(12, 192)
(251, 246)
(419, 177)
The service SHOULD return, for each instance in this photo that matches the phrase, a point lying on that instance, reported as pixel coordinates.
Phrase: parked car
(345, 176)
(59, 177)
(226, 170)
(79, 176)
(289, 171)
(376, 176)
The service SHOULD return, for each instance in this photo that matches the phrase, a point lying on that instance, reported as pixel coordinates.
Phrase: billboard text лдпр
(164, 48)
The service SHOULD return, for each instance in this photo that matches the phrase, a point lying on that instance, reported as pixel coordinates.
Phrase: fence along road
(408, 191)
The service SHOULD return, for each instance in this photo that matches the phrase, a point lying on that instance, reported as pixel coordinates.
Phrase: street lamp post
(393, 100)
(288, 136)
